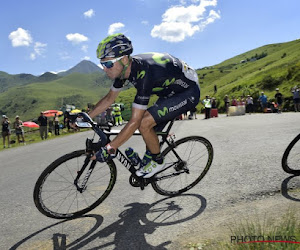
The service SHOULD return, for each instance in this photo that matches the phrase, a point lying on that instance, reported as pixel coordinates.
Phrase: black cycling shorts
(168, 108)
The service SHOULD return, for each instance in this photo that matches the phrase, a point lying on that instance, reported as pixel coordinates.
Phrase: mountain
(84, 67)
(78, 89)
(48, 76)
(7, 81)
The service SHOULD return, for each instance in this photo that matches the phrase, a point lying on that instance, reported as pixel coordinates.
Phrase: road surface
(246, 165)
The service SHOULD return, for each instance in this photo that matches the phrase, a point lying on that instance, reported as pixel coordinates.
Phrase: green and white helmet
(113, 46)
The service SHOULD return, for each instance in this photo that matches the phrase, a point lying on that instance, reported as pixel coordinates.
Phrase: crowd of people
(48, 125)
(112, 114)
(52, 124)
(262, 103)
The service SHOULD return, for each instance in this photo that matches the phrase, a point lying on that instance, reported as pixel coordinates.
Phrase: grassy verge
(33, 136)
(257, 234)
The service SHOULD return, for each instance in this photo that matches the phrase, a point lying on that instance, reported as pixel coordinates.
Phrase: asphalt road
(248, 151)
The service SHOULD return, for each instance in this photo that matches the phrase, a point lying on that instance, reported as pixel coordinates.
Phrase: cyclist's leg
(148, 133)
(164, 110)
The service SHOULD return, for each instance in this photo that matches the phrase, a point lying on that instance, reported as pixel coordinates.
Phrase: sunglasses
(109, 64)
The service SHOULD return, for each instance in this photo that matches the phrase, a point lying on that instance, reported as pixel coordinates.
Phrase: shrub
(270, 82)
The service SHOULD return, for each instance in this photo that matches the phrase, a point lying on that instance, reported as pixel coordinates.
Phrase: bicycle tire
(193, 150)
(56, 184)
(291, 157)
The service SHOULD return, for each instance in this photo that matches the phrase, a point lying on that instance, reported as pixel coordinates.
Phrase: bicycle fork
(81, 187)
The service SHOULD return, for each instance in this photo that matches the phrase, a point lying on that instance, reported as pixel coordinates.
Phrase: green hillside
(262, 69)
(78, 89)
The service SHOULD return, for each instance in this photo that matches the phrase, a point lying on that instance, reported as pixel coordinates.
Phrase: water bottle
(133, 156)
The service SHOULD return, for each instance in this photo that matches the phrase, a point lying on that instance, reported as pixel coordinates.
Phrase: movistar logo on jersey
(141, 74)
(178, 106)
(168, 82)
(165, 84)
(163, 112)
(158, 58)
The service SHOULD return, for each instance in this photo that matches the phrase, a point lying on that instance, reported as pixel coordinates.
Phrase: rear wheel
(187, 162)
(55, 194)
(291, 157)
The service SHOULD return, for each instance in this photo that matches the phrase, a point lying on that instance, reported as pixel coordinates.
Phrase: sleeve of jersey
(117, 85)
(141, 99)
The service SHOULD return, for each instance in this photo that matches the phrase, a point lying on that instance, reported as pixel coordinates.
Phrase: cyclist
(175, 83)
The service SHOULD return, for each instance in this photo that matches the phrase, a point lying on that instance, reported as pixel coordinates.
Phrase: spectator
(249, 104)
(215, 89)
(56, 124)
(213, 103)
(109, 117)
(241, 101)
(234, 102)
(279, 100)
(296, 99)
(6, 130)
(103, 118)
(50, 126)
(263, 99)
(207, 104)
(18, 126)
(194, 111)
(226, 101)
(43, 122)
(118, 115)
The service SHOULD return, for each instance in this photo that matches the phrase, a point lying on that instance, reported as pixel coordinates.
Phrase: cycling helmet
(116, 45)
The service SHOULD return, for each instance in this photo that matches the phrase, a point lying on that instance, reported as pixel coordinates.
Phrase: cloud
(76, 38)
(145, 22)
(179, 22)
(86, 58)
(20, 37)
(84, 48)
(115, 27)
(64, 56)
(39, 49)
(89, 14)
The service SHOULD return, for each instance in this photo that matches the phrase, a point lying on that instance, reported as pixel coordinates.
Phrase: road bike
(291, 158)
(74, 184)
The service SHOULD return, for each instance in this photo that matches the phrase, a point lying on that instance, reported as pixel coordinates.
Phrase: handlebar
(86, 118)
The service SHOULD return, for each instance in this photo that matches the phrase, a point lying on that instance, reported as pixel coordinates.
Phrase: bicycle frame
(104, 139)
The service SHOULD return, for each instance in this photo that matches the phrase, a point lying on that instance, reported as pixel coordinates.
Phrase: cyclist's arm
(104, 103)
(129, 129)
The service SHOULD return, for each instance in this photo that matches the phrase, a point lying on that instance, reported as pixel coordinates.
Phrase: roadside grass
(284, 231)
(33, 136)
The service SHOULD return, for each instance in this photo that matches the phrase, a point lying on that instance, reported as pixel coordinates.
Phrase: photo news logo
(239, 239)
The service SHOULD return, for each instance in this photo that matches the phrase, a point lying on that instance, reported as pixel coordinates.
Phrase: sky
(37, 36)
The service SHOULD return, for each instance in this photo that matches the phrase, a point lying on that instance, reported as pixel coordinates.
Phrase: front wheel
(291, 157)
(186, 163)
(56, 194)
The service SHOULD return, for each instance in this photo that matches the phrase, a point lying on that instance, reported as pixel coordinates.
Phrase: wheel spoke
(197, 153)
(56, 195)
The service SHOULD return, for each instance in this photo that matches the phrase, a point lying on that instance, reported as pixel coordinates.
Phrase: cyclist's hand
(102, 155)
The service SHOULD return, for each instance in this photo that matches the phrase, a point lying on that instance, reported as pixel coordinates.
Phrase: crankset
(140, 182)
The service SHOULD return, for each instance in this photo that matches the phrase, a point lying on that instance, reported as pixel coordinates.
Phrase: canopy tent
(30, 125)
(51, 113)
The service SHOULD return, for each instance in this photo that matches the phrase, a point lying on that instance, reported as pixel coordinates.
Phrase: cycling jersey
(160, 74)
